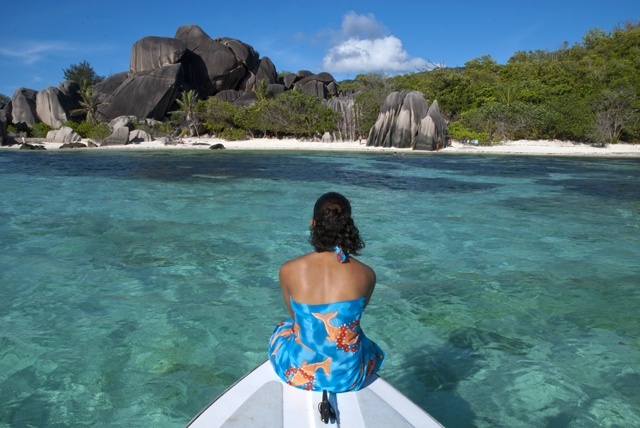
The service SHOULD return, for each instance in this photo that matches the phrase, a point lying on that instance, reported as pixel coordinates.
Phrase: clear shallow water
(135, 287)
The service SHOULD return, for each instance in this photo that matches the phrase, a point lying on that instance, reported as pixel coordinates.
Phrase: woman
(322, 346)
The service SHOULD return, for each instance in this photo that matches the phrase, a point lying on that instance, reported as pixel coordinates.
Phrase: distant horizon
(352, 40)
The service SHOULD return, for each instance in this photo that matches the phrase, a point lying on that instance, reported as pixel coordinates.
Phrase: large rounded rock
(108, 86)
(316, 84)
(432, 131)
(347, 123)
(146, 94)
(73, 146)
(28, 146)
(55, 107)
(23, 105)
(213, 67)
(407, 121)
(160, 67)
(425, 140)
(323, 77)
(3, 129)
(246, 99)
(122, 121)
(399, 120)
(119, 137)
(266, 71)
(243, 52)
(333, 90)
(5, 111)
(229, 95)
(138, 136)
(289, 79)
(304, 73)
(71, 90)
(63, 135)
(414, 108)
(154, 52)
(314, 87)
(275, 89)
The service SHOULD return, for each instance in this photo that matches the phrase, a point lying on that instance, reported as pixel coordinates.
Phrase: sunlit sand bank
(521, 147)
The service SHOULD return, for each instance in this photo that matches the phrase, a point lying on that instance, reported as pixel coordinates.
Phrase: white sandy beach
(549, 147)
(522, 147)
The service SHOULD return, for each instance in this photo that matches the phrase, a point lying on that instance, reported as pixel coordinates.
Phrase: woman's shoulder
(365, 268)
(297, 265)
(297, 261)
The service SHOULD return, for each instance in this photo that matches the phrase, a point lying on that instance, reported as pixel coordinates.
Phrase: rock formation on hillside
(223, 67)
(212, 66)
(54, 106)
(347, 123)
(147, 94)
(161, 68)
(23, 105)
(119, 137)
(407, 121)
(154, 52)
(63, 135)
(3, 127)
(109, 85)
(432, 131)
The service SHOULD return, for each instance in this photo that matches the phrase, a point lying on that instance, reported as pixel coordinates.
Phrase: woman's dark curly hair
(332, 225)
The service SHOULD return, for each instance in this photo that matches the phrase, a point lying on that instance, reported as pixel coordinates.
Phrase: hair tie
(341, 256)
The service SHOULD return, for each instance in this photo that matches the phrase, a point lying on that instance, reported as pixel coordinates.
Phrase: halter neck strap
(341, 256)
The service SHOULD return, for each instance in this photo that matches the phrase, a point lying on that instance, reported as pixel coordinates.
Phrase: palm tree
(89, 103)
(261, 91)
(507, 94)
(187, 111)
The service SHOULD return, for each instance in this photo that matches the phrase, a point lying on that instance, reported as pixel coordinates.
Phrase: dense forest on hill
(589, 92)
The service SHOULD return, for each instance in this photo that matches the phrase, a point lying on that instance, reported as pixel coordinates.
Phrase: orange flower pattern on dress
(284, 332)
(344, 336)
(324, 348)
(304, 376)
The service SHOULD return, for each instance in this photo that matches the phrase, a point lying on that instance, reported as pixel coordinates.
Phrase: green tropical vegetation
(290, 114)
(86, 129)
(371, 91)
(39, 130)
(89, 104)
(82, 73)
(186, 113)
(588, 92)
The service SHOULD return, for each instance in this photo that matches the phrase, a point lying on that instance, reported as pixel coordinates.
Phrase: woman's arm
(285, 274)
(372, 285)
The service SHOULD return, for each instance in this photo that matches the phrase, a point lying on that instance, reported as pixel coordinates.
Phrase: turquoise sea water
(135, 287)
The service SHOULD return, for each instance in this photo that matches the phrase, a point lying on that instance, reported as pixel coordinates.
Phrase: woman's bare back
(317, 278)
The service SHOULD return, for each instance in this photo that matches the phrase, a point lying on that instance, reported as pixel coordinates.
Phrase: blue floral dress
(324, 348)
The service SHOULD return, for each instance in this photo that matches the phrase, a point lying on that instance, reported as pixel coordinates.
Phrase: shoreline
(520, 147)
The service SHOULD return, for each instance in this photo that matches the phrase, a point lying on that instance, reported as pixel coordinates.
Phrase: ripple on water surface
(137, 286)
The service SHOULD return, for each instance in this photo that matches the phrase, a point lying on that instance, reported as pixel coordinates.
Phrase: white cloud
(364, 45)
(362, 26)
(377, 55)
(31, 52)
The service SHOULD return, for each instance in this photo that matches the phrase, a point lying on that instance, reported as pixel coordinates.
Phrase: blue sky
(41, 38)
